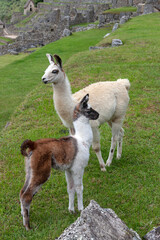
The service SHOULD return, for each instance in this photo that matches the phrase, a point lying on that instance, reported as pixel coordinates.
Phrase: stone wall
(125, 3)
(80, 1)
(16, 17)
(112, 18)
(43, 32)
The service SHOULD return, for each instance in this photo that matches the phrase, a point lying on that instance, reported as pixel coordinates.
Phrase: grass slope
(131, 185)
(21, 76)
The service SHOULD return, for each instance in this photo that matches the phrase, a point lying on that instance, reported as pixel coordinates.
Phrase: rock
(106, 35)
(96, 48)
(123, 19)
(116, 43)
(13, 52)
(66, 33)
(115, 27)
(140, 8)
(130, 2)
(148, 8)
(67, 10)
(96, 223)
(101, 19)
(90, 13)
(153, 235)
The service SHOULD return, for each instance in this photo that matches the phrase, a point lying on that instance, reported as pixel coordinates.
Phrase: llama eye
(55, 71)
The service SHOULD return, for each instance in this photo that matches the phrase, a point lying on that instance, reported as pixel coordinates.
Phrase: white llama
(108, 98)
(68, 153)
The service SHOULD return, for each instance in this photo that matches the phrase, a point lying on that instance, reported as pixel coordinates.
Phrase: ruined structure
(126, 3)
(55, 18)
(29, 7)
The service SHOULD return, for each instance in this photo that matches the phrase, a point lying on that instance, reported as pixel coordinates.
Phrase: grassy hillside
(131, 185)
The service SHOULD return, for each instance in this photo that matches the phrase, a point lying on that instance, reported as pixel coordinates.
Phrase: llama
(108, 98)
(70, 154)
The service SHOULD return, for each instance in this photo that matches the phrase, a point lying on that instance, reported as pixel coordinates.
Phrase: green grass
(85, 24)
(131, 185)
(5, 39)
(8, 59)
(122, 9)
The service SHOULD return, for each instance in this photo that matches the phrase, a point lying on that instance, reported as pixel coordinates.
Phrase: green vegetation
(131, 185)
(7, 7)
(85, 24)
(8, 59)
(122, 9)
(4, 40)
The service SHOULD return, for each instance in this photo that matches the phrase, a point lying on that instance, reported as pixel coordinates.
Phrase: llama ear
(84, 101)
(50, 58)
(58, 60)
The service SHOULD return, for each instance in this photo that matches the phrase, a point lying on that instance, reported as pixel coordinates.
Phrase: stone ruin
(51, 23)
(143, 7)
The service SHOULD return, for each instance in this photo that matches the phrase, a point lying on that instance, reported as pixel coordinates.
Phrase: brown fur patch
(62, 151)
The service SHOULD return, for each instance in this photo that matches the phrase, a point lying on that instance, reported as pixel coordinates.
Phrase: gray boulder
(96, 223)
(115, 27)
(123, 19)
(116, 43)
(66, 32)
(153, 235)
(148, 8)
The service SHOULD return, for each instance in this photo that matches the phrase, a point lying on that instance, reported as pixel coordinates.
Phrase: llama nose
(44, 80)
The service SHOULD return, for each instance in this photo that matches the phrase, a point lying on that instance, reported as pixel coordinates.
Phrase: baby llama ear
(50, 58)
(58, 60)
(84, 101)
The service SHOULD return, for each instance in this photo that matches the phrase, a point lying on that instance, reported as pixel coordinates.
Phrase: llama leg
(78, 182)
(26, 199)
(35, 183)
(115, 136)
(119, 143)
(27, 180)
(71, 190)
(22, 191)
(97, 148)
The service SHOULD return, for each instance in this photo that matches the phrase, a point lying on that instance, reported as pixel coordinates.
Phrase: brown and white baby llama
(70, 154)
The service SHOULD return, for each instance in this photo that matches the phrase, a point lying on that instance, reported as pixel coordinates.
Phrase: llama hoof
(118, 156)
(103, 169)
(108, 164)
(80, 210)
(27, 227)
(71, 211)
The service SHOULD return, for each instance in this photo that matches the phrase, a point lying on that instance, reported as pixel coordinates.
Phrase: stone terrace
(80, 5)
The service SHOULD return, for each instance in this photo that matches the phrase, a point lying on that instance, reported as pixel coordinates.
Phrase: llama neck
(83, 130)
(63, 101)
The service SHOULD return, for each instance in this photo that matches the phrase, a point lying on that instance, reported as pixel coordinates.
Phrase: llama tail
(27, 144)
(125, 82)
